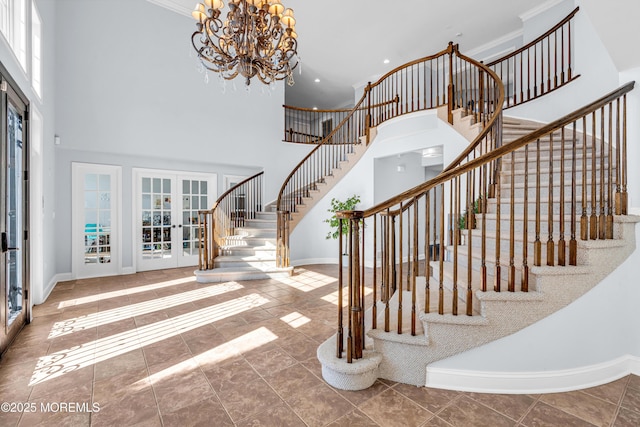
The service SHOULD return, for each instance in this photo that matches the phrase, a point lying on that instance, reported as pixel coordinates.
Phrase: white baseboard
(61, 277)
(533, 382)
(128, 270)
(310, 261)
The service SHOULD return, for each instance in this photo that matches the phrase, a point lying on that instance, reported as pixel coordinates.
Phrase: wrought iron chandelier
(257, 38)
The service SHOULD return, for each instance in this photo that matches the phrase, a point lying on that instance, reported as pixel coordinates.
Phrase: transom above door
(166, 221)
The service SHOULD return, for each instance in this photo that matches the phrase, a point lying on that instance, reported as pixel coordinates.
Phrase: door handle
(5, 244)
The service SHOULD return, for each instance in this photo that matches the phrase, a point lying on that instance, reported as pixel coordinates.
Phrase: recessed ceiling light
(315, 108)
(386, 61)
(317, 80)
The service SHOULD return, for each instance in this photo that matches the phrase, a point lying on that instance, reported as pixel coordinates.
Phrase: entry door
(14, 311)
(167, 217)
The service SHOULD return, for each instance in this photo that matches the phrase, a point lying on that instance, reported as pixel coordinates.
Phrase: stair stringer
(328, 182)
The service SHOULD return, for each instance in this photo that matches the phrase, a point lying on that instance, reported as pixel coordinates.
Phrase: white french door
(166, 221)
(96, 220)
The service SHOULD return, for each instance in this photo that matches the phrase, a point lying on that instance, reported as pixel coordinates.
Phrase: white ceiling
(343, 43)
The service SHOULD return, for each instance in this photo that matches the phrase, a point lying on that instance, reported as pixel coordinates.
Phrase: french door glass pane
(14, 202)
(156, 218)
(194, 198)
(97, 215)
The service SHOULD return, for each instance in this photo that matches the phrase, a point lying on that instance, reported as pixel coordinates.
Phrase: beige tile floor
(159, 349)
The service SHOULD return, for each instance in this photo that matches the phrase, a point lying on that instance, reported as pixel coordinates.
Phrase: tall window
(36, 50)
(13, 25)
(5, 22)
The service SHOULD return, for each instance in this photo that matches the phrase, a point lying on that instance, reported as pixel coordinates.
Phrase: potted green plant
(337, 206)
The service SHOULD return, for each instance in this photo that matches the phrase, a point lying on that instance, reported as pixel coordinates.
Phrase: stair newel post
(350, 332)
(362, 278)
(450, 85)
(573, 244)
(200, 241)
(208, 236)
(355, 332)
(618, 200)
(282, 244)
(287, 221)
(213, 247)
(624, 198)
(340, 333)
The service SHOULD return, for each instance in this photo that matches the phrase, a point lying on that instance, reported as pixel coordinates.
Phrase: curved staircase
(404, 357)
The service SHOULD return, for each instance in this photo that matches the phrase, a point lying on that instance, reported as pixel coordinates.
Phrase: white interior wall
(394, 174)
(131, 95)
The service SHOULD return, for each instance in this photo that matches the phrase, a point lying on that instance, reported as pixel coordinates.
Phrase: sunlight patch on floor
(333, 296)
(122, 292)
(247, 342)
(77, 357)
(306, 281)
(92, 320)
(295, 319)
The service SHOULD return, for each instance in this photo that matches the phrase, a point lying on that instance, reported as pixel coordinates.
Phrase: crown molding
(172, 6)
(473, 53)
(539, 9)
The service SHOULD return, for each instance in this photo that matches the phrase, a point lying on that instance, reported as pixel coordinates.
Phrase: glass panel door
(12, 238)
(156, 194)
(195, 197)
(14, 264)
(97, 224)
(167, 218)
(95, 234)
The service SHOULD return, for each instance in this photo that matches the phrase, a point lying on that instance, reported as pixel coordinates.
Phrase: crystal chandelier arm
(256, 38)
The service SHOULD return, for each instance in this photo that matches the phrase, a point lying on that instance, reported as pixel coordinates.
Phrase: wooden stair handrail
(536, 41)
(447, 175)
(232, 189)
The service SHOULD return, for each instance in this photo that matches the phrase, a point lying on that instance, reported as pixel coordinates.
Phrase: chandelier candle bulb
(257, 38)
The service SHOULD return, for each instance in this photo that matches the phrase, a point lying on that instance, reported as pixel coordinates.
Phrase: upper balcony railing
(541, 66)
(447, 79)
